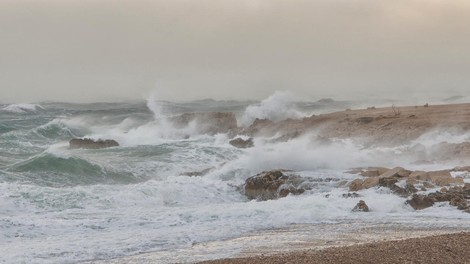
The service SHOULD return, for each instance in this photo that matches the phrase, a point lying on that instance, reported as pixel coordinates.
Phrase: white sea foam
(279, 106)
(22, 108)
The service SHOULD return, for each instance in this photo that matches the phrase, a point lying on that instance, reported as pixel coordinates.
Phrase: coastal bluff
(387, 125)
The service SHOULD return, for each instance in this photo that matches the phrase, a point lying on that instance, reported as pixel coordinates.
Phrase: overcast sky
(92, 50)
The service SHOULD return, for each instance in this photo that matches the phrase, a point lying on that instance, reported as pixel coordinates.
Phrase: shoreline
(444, 248)
(281, 244)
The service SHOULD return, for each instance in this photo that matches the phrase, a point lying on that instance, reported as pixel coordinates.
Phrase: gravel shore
(450, 248)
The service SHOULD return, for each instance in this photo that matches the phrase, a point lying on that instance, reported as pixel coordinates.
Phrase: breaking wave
(22, 108)
(279, 106)
(50, 170)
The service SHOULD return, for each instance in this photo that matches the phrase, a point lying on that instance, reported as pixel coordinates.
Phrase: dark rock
(88, 143)
(197, 173)
(272, 185)
(361, 206)
(241, 143)
(419, 202)
(351, 195)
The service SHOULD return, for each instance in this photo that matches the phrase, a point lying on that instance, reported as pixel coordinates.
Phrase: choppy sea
(62, 205)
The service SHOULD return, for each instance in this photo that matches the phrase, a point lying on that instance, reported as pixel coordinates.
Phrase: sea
(62, 205)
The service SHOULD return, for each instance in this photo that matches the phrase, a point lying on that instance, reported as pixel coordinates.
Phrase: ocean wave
(23, 108)
(279, 106)
(50, 170)
(55, 130)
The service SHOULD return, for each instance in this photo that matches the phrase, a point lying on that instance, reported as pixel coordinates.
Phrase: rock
(197, 173)
(396, 172)
(370, 171)
(428, 185)
(361, 206)
(370, 182)
(88, 143)
(443, 178)
(207, 123)
(419, 202)
(419, 176)
(241, 143)
(259, 125)
(272, 185)
(350, 195)
(356, 185)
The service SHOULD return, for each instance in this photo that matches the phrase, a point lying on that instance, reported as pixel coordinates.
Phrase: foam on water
(22, 108)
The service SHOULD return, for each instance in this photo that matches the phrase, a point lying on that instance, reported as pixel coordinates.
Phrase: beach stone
(88, 143)
(419, 202)
(272, 185)
(242, 143)
(361, 206)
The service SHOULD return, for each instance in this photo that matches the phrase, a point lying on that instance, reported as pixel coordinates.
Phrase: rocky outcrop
(391, 177)
(207, 123)
(457, 196)
(419, 202)
(361, 206)
(273, 184)
(242, 143)
(88, 143)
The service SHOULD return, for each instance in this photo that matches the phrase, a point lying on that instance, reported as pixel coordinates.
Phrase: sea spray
(279, 106)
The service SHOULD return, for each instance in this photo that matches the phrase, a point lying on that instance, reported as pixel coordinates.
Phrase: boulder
(396, 172)
(443, 178)
(373, 171)
(356, 185)
(272, 185)
(361, 206)
(242, 143)
(419, 202)
(88, 143)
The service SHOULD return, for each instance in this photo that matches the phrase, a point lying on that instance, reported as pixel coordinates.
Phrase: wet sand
(449, 248)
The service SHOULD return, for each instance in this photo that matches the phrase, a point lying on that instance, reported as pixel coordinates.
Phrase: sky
(103, 50)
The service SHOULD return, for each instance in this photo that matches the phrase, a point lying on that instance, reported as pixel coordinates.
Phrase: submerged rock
(88, 143)
(272, 185)
(197, 173)
(361, 206)
(242, 143)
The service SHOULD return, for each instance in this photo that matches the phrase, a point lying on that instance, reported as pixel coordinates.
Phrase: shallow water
(61, 205)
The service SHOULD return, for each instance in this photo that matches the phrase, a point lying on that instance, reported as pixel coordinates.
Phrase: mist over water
(121, 201)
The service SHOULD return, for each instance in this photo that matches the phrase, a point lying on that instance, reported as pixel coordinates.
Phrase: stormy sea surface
(62, 205)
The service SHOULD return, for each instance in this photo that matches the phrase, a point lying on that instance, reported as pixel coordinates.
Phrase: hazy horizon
(95, 51)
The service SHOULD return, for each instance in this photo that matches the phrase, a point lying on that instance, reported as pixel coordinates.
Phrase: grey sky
(91, 50)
